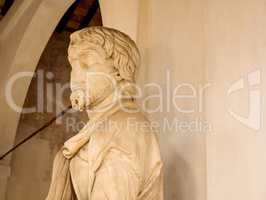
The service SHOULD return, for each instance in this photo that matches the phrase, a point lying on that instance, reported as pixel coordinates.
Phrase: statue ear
(115, 72)
(117, 76)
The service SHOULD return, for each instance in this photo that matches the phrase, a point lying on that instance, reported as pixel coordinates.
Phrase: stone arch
(24, 33)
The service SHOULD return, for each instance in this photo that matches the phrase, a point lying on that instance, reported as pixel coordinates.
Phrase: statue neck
(107, 104)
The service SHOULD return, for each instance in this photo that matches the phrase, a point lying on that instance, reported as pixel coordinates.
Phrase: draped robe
(114, 157)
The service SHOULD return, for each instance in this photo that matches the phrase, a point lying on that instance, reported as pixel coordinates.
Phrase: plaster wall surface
(235, 102)
(215, 44)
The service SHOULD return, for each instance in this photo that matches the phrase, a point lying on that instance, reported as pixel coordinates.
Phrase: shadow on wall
(182, 150)
(179, 179)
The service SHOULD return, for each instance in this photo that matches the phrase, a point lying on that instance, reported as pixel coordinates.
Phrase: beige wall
(125, 15)
(173, 29)
(235, 44)
(209, 42)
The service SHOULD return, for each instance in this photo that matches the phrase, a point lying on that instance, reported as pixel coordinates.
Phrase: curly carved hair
(116, 45)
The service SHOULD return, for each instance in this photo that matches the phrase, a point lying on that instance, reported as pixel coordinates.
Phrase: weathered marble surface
(120, 161)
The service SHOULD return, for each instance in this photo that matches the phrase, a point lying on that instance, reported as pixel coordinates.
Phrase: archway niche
(24, 33)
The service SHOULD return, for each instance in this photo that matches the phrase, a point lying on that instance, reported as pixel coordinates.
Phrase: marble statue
(110, 158)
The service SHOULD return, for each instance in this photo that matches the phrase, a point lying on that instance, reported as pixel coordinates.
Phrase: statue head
(101, 59)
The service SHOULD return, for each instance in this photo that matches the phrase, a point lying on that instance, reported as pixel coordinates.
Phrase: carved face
(91, 77)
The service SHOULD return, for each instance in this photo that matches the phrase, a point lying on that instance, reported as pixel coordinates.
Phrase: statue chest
(80, 173)
(84, 164)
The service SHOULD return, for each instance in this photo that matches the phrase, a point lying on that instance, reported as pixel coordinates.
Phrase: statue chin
(79, 106)
(78, 100)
